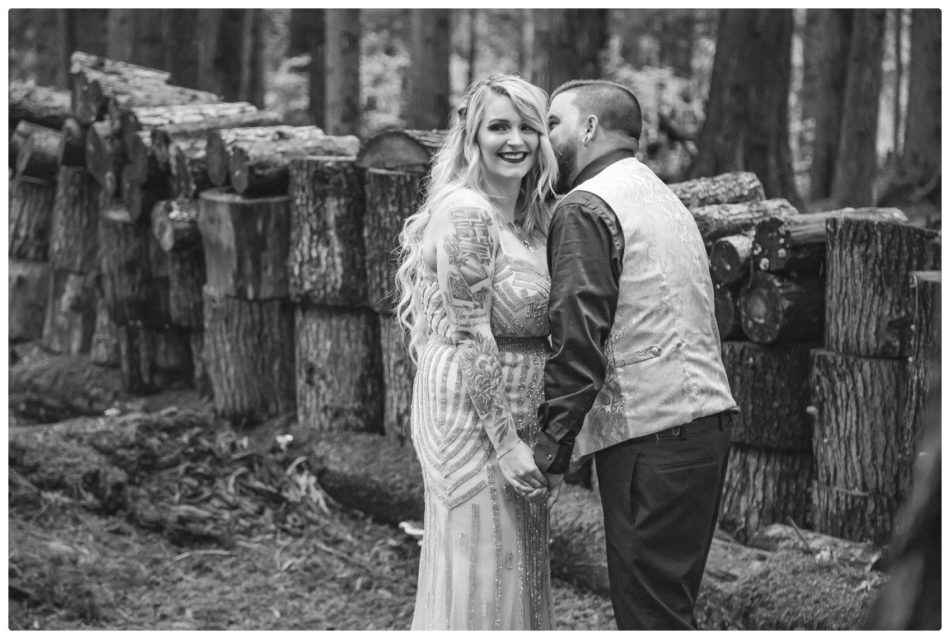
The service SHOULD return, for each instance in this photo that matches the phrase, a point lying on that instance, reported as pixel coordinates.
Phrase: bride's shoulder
(465, 198)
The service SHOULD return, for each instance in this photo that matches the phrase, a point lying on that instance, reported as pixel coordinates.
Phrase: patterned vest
(664, 365)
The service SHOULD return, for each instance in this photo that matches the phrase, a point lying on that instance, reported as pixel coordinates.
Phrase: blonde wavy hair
(457, 165)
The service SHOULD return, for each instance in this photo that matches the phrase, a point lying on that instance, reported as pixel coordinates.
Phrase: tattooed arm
(465, 255)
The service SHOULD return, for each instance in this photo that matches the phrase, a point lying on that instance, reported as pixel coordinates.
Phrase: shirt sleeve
(466, 267)
(584, 257)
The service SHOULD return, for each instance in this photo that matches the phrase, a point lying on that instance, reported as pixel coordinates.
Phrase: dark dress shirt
(585, 254)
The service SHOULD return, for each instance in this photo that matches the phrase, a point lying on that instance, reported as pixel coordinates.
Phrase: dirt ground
(75, 566)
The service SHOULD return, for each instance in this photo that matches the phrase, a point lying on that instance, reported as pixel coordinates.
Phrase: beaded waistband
(522, 344)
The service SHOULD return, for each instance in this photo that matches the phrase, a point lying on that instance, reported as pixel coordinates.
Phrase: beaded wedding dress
(484, 561)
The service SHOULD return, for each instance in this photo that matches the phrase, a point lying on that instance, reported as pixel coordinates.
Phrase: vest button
(550, 457)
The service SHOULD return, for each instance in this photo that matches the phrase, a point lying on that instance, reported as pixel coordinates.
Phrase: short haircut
(614, 104)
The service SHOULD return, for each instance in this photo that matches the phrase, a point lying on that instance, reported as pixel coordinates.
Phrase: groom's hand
(554, 489)
(519, 469)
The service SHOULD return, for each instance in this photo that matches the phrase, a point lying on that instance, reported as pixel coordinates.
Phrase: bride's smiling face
(507, 144)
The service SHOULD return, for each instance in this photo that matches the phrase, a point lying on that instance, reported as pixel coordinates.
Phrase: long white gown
(484, 561)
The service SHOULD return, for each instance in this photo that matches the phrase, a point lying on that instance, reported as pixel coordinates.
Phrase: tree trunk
(326, 262)
(182, 55)
(38, 155)
(70, 313)
(46, 106)
(339, 381)
(135, 35)
(897, 26)
(746, 127)
(870, 301)
(153, 359)
(188, 161)
(163, 136)
(771, 387)
(398, 375)
(429, 85)
(728, 188)
(798, 243)
(259, 169)
(31, 212)
(677, 38)
(721, 220)
(72, 151)
(221, 144)
(472, 48)
(856, 163)
(775, 309)
(175, 225)
(570, 42)
(28, 291)
(201, 380)
(859, 429)
(252, 57)
(729, 258)
(134, 276)
(246, 244)
(342, 74)
(92, 77)
(922, 136)
(75, 218)
(918, 174)
(308, 27)
(125, 98)
(765, 487)
(391, 196)
(728, 318)
(249, 352)
(827, 52)
(104, 349)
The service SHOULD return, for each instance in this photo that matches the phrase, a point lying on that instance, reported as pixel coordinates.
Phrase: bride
(474, 286)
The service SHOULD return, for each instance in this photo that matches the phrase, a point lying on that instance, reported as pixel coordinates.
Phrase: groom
(636, 377)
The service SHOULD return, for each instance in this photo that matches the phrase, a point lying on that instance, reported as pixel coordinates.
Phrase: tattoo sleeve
(466, 266)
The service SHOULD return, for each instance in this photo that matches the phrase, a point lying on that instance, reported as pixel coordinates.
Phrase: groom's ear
(591, 124)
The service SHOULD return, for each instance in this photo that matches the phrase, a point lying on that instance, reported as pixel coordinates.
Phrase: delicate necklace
(519, 233)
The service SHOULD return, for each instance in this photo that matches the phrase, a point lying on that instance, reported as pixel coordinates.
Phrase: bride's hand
(519, 469)
(554, 489)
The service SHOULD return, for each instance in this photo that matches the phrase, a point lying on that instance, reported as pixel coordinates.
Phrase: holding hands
(521, 471)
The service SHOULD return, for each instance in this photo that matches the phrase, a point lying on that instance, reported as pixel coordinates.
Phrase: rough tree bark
(246, 244)
(858, 431)
(31, 213)
(75, 218)
(326, 262)
(259, 169)
(38, 155)
(746, 127)
(721, 220)
(391, 196)
(771, 387)
(70, 312)
(249, 353)
(401, 150)
(765, 486)
(46, 106)
(870, 300)
(398, 374)
(330, 396)
(28, 294)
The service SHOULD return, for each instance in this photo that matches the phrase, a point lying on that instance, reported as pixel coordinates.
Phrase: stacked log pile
(871, 379)
(395, 163)
(36, 115)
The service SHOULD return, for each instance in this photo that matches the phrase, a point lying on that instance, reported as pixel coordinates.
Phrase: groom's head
(590, 118)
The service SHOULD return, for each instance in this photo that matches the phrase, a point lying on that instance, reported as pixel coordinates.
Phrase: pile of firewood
(804, 445)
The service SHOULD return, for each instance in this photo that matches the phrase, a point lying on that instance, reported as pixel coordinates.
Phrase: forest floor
(74, 565)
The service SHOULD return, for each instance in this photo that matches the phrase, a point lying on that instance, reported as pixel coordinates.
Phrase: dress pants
(661, 497)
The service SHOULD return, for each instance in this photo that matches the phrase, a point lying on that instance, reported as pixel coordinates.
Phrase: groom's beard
(565, 164)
